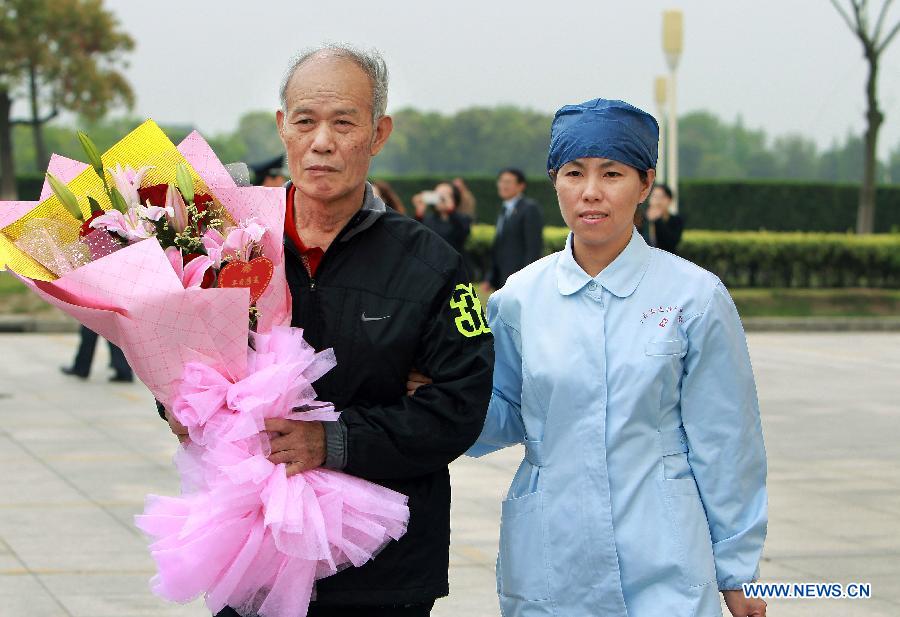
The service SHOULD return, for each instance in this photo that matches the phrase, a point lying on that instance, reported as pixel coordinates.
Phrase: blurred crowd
(450, 209)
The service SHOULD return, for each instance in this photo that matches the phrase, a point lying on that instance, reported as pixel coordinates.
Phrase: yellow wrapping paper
(146, 145)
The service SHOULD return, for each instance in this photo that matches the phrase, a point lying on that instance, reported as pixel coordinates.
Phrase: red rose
(86, 226)
(201, 200)
(208, 277)
(155, 194)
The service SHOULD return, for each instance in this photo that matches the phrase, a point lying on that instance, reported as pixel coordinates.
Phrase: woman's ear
(647, 185)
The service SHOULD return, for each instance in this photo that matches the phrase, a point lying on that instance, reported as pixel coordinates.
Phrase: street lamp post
(660, 86)
(673, 42)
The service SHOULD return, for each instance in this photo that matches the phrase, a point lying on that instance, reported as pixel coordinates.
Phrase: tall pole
(660, 90)
(673, 42)
(672, 126)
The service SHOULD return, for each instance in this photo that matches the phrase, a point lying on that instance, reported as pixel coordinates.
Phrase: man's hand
(178, 429)
(742, 606)
(415, 380)
(297, 443)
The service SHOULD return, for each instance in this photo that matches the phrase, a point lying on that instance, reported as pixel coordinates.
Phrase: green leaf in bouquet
(118, 201)
(95, 205)
(92, 153)
(65, 196)
(185, 182)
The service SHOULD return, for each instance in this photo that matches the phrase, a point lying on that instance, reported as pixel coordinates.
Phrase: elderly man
(389, 296)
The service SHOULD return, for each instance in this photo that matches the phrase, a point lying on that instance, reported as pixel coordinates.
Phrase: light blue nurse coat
(642, 491)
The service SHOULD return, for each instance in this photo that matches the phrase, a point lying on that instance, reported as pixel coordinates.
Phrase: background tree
(59, 55)
(477, 140)
(796, 157)
(258, 133)
(874, 42)
(842, 162)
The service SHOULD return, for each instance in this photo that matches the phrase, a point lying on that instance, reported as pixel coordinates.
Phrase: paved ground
(77, 458)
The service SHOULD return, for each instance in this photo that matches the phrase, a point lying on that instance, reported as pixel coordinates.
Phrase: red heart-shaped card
(255, 274)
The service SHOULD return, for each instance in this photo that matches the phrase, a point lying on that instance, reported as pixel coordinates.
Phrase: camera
(431, 198)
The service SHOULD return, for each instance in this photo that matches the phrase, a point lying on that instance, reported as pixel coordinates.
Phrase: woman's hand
(742, 606)
(419, 202)
(415, 380)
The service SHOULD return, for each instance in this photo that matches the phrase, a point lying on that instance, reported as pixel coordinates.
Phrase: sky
(788, 66)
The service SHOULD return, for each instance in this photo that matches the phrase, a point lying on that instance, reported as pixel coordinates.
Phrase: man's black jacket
(390, 295)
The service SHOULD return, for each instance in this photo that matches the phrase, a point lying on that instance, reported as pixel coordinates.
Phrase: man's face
(327, 128)
(508, 186)
(274, 181)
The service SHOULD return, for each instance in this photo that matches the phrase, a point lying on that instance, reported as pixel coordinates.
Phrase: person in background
(624, 371)
(385, 193)
(660, 227)
(518, 238)
(81, 367)
(438, 211)
(271, 173)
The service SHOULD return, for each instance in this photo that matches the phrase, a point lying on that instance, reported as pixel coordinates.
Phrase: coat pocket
(523, 566)
(666, 348)
(691, 530)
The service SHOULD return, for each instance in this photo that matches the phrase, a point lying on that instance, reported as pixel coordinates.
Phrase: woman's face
(598, 198)
(659, 199)
(446, 202)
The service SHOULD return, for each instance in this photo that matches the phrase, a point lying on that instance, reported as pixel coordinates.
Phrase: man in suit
(518, 239)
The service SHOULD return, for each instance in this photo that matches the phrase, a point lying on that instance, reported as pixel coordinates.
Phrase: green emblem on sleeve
(470, 320)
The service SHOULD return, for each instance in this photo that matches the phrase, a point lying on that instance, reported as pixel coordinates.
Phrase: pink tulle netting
(243, 533)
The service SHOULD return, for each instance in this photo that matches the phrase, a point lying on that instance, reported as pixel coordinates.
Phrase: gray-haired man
(388, 295)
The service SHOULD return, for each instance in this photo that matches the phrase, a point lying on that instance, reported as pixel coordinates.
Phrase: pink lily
(190, 275)
(153, 213)
(129, 226)
(128, 181)
(176, 209)
(213, 242)
(240, 240)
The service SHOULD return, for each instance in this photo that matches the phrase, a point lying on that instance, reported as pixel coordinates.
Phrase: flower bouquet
(160, 251)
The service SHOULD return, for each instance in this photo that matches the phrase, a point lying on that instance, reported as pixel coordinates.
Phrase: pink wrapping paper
(242, 533)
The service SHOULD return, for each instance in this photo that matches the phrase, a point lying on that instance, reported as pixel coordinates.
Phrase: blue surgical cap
(601, 128)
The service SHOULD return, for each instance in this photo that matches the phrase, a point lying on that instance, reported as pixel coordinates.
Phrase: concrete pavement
(77, 458)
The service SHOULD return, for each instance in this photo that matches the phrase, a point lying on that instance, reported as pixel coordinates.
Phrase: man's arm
(418, 434)
(423, 433)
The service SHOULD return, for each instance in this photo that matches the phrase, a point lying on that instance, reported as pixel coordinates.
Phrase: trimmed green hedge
(763, 259)
(744, 205)
(29, 187)
(749, 205)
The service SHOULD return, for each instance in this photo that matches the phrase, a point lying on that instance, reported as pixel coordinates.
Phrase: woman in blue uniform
(624, 371)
